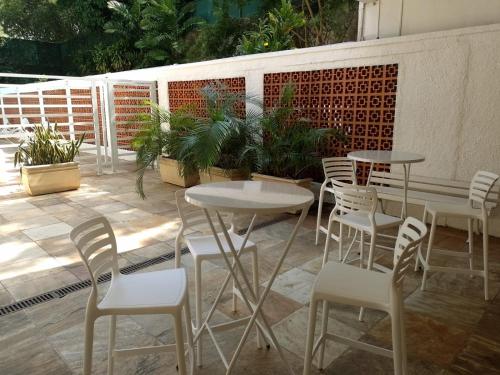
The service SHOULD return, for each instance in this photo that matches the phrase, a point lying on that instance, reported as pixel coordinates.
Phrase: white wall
(448, 99)
(387, 18)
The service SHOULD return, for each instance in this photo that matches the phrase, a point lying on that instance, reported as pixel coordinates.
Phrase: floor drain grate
(68, 289)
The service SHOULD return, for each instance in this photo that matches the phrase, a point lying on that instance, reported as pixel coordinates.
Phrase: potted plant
(219, 137)
(47, 161)
(286, 147)
(158, 143)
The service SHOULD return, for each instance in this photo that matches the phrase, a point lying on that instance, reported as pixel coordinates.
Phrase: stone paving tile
(451, 330)
(295, 284)
(287, 332)
(21, 289)
(47, 231)
(25, 350)
(427, 339)
(354, 362)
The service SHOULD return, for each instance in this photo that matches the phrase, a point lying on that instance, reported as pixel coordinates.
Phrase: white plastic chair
(476, 209)
(204, 247)
(158, 292)
(337, 168)
(355, 207)
(346, 284)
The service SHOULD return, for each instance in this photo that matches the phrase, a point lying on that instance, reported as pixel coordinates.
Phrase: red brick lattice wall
(359, 100)
(182, 94)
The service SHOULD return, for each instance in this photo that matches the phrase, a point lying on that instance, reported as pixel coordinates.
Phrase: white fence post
(69, 104)
(4, 116)
(97, 130)
(111, 125)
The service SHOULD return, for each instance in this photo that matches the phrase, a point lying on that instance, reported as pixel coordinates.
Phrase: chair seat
(362, 222)
(146, 291)
(346, 284)
(449, 209)
(206, 246)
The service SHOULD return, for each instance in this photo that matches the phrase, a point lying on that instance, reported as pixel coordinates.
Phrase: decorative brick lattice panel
(359, 100)
(182, 94)
(130, 102)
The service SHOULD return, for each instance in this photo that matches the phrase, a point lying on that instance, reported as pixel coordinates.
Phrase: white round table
(389, 157)
(254, 197)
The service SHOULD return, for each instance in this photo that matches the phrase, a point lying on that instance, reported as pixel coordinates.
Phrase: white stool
(346, 284)
(158, 292)
(337, 168)
(476, 209)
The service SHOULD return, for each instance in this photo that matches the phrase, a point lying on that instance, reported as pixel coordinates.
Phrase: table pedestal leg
(258, 316)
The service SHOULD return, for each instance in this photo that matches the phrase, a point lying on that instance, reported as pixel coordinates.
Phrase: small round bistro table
(389, 157)
(257, 198)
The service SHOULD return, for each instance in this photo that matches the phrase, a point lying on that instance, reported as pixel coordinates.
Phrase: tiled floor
(450, 328)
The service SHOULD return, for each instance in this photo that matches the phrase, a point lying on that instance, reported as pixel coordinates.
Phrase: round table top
(250, 196)
(386, 157)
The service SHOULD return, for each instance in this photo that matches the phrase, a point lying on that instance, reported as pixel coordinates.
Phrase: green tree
(157, 28)
(220, 38)
(278, 31)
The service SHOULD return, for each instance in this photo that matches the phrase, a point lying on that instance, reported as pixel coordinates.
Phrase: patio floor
(450, 328)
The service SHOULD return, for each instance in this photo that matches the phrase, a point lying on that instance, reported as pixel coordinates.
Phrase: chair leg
(255, 272)
(198, 309)
(111, 345)
(341, 240)
(178, 240)
(235, 297)
(310, 336)
(89, 343)
(419, 251)
(362, 249)
(328, 239)
(471, 243)
(396, 338)
(320, 210)
(324, 327)
(429, 249)
(189, 333)
(179, 343)
(485, 259)
(404, 355)
(370, 265)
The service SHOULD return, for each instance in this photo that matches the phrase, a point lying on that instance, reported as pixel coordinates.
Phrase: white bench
(425, 189)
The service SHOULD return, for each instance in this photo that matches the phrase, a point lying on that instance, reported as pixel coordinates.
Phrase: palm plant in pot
(47, 161)
(219, 137)
(285, 148)
(158, 144)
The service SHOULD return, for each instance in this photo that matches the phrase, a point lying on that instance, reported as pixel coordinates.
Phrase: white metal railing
(103, 109)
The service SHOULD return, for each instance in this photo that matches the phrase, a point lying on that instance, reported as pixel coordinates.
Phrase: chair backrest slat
(340, 169)
(192, 216)
(410, 235)
(481, 185)
(96, 245)
(354, 198)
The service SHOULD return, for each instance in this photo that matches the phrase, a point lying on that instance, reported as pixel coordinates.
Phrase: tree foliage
(99, 36)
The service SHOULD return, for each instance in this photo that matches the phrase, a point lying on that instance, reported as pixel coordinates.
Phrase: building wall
(387, 18)
(448, 101)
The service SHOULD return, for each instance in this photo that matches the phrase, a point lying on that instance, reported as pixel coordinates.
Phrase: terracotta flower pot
(50, 178)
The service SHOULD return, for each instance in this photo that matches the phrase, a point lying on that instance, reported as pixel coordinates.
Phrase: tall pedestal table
(389, 157)
(257, 198)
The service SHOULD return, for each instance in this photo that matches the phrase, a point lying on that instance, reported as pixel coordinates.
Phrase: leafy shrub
(46, 146)
(287, 146)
